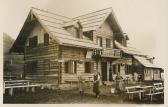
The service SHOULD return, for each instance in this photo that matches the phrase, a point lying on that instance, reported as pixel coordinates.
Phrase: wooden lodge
(58, 49)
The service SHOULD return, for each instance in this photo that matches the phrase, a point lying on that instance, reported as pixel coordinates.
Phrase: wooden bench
(158, 89)
(13, 84)
(22, 86)
(133, 90)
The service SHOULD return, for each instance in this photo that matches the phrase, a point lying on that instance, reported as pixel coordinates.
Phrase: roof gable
(92, 21)
(53, 24)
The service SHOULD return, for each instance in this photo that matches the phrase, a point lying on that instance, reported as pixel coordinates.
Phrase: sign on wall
(127, 61)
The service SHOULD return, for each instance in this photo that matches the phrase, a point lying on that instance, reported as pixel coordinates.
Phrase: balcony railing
(113, 53)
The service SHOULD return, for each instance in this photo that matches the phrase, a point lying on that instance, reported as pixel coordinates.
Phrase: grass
(47, 96)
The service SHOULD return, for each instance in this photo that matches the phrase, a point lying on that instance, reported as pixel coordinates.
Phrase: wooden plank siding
(75, 54)
(47, 62)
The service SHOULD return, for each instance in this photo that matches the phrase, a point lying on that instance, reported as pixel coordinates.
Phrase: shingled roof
(129, 50)
(54, 25)
(93, 20)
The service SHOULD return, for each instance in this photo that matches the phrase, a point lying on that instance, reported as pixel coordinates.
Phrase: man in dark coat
(96, 84)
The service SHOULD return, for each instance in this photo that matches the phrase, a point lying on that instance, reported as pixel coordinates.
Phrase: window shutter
(92, 67)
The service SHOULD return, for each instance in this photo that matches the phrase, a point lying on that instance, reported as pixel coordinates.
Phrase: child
(81, 86)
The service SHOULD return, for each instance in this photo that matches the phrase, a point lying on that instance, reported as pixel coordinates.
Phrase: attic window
(99, 41)
(88, 34)
(108, 43)
(33, 41)
(46, 39)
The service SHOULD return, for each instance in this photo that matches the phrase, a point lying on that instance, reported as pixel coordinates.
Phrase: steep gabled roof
(145, 62)
(93, 20)
(54, 25)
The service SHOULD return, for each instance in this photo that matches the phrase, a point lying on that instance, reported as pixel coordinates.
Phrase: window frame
(101, 41)
(46, 39)
(33, 41)
(89, 68)
(108, 43)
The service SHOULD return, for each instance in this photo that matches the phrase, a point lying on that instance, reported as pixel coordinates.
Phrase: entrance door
(104, 71)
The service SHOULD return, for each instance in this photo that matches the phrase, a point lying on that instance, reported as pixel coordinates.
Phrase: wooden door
(104, 71)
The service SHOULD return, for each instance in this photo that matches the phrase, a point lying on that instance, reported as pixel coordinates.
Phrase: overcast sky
(145, 21)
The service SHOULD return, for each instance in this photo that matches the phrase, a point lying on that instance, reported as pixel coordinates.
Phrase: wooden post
(33, 89)
(11, 91)
(3, 87)
(27, 89)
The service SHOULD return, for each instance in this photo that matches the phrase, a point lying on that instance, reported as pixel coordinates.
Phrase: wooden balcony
(112, 53)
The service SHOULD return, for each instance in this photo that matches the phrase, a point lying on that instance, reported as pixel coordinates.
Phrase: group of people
(96, 84)
(119, 87)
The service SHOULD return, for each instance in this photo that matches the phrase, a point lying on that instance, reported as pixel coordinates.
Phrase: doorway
(104, 71)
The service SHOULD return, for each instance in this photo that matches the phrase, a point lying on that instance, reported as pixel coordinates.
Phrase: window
(89, 67)
(88, 34)
(99, 41)
(46, 39)
(71, 67)
(66, 67)
(108, 43)
(31, 67)
(116, 68)
(33, 41)
(127, 69)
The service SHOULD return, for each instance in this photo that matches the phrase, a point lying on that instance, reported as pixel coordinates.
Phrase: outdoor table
(143, 88)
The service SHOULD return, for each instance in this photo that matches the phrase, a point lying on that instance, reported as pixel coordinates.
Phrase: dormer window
(74, 27)
(88, 34)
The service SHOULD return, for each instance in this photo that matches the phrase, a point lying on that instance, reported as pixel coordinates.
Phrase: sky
(145, 21)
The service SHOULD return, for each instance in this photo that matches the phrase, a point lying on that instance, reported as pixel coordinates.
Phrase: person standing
(96, 84)
(81, 86)
(119, 84)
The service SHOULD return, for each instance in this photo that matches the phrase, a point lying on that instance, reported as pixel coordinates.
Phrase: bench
(158, 89)
(133, 90)
(22, 86)
(13, 84)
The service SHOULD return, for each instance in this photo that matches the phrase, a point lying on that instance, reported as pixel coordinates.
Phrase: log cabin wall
(41, 61)
(76, 55)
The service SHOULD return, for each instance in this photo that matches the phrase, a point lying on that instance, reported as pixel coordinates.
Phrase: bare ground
(47, 96)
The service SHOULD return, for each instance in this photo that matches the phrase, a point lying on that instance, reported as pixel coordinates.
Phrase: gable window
(71, 67)
(99, 41)
(88, 34)
(89, 68)
(108, 43)
(31, 67)
(33, 41)
(46, 39)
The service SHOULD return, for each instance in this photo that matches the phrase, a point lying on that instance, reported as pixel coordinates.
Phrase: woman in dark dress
(96, 84)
